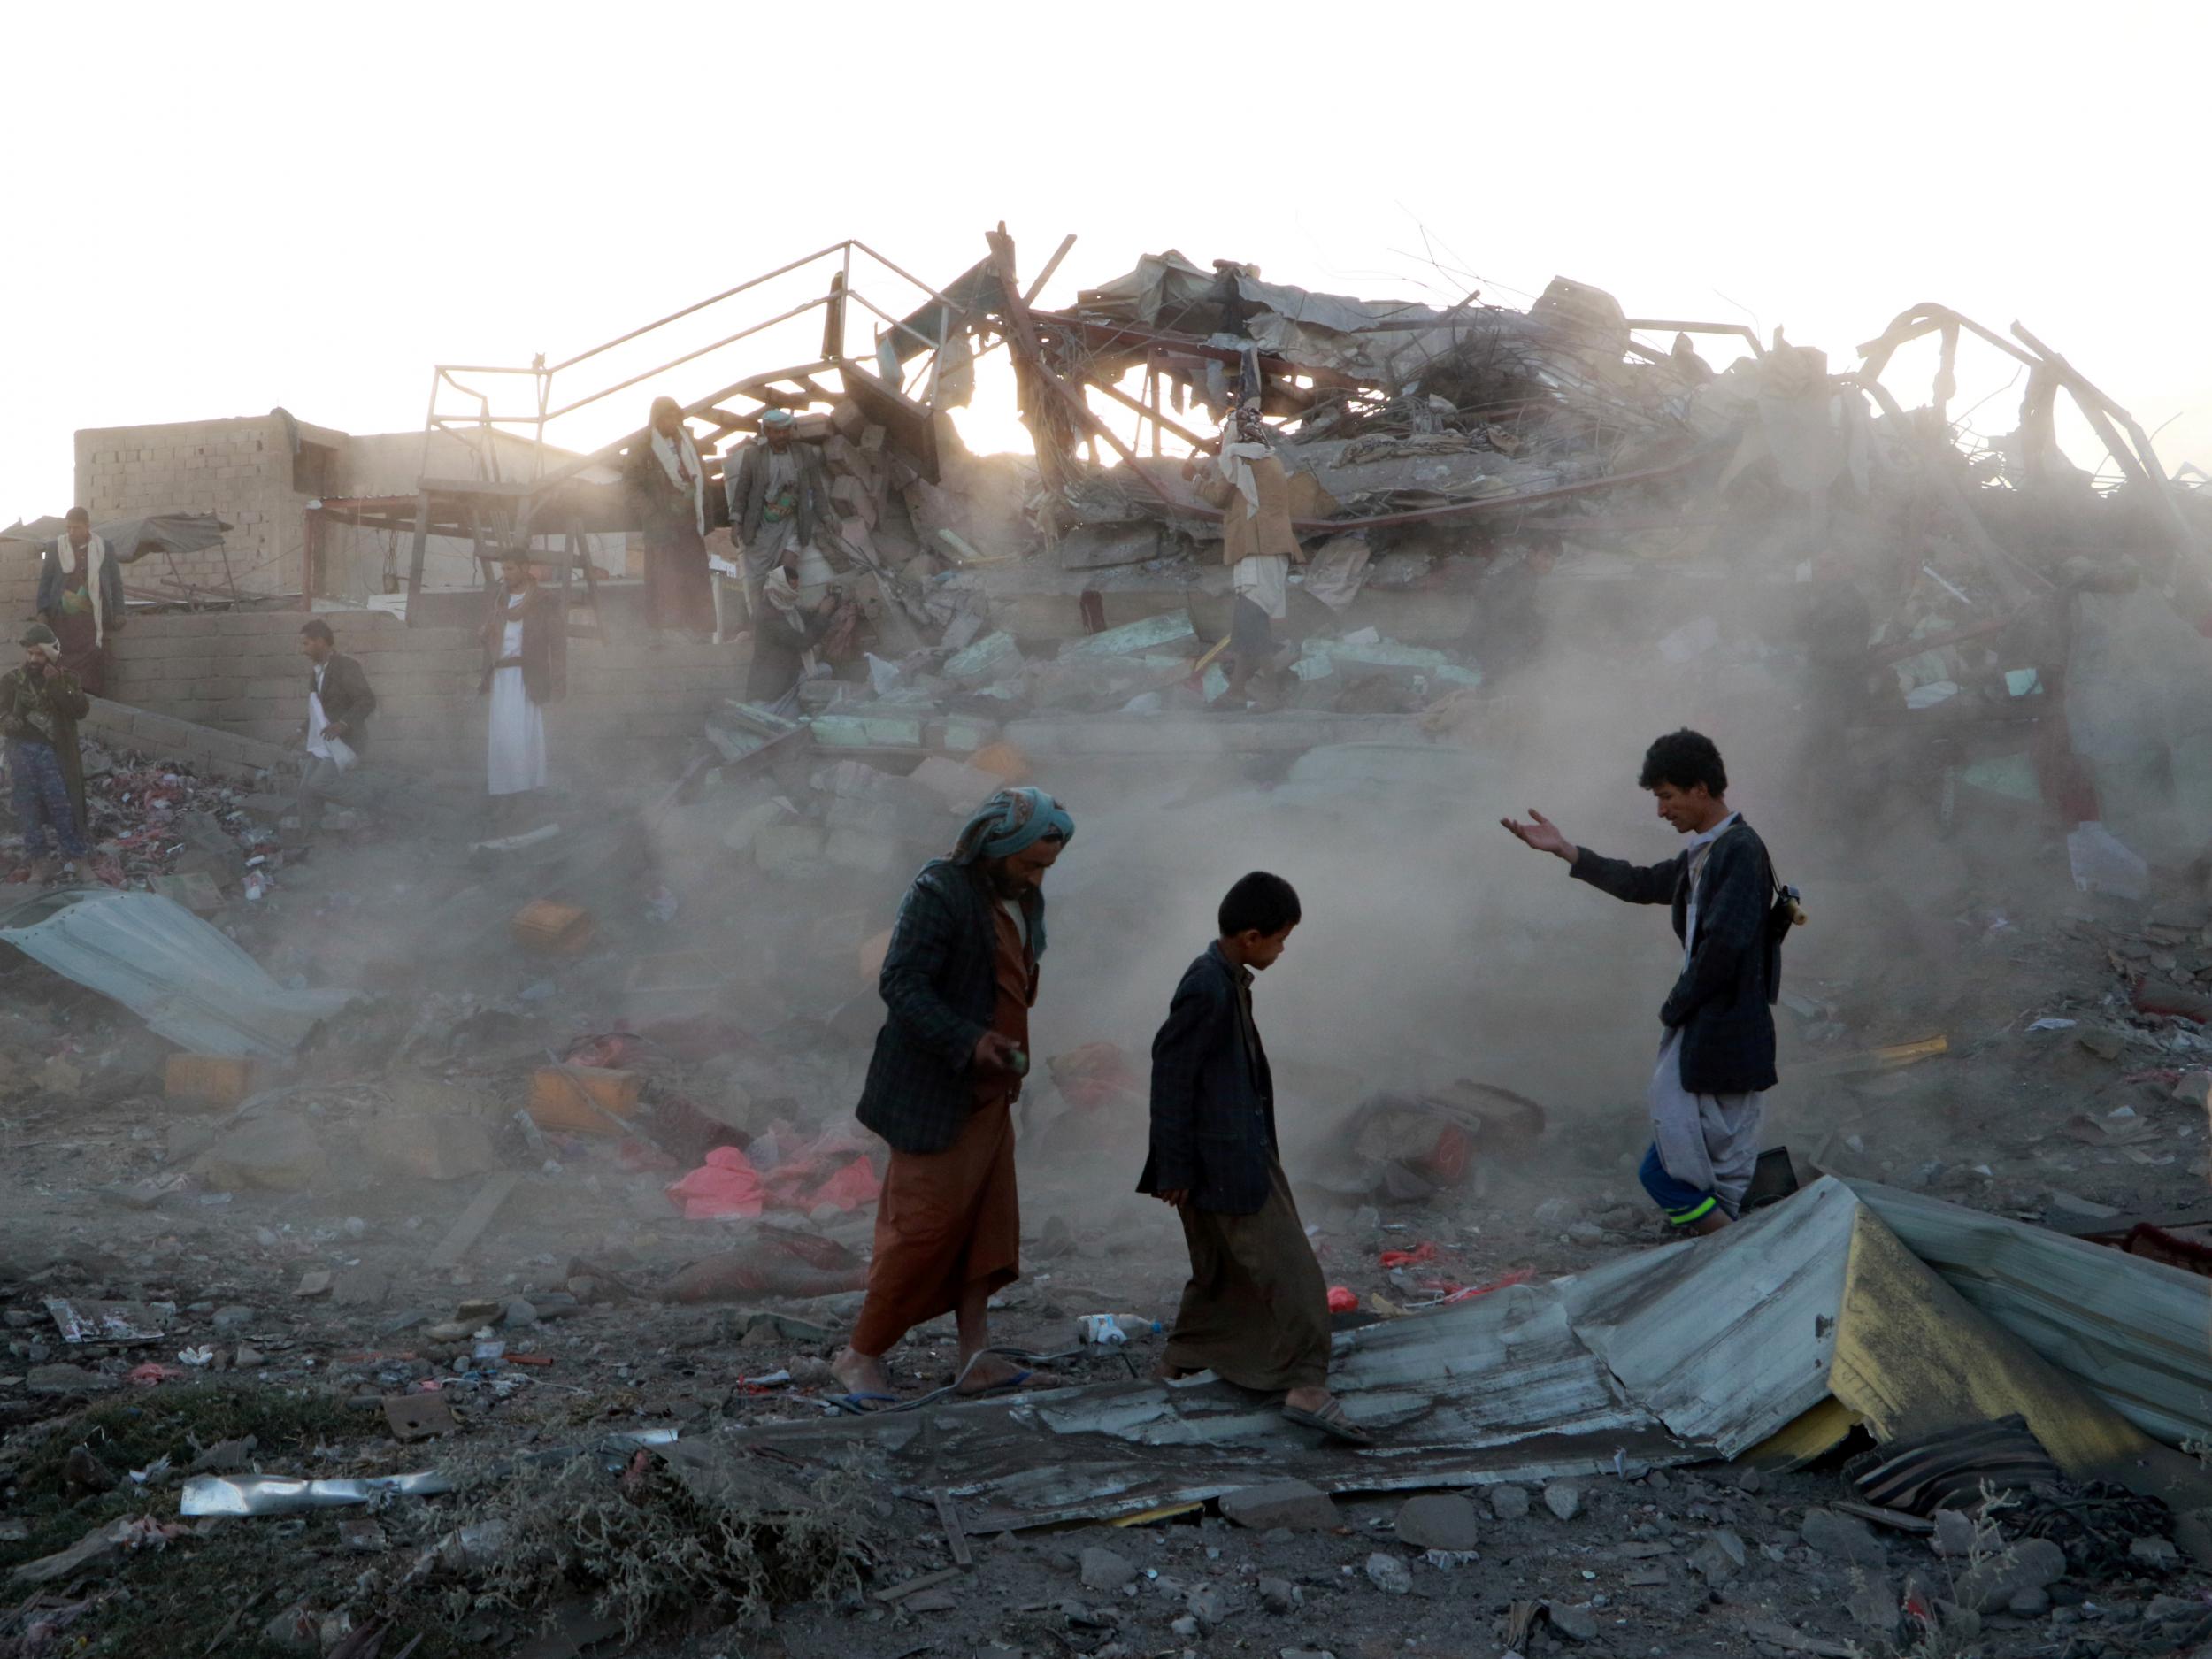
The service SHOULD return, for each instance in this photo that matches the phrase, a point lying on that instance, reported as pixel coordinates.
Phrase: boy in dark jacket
(1717, 1054)
(1255, 1310)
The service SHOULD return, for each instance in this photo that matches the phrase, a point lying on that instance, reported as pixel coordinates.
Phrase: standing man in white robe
(525, 669)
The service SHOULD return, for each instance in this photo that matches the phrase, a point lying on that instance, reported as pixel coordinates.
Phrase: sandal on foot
(1332, 1420)
(861, 1402)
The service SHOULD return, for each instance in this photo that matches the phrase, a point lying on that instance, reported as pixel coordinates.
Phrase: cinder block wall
(630, 711)
(240, 470)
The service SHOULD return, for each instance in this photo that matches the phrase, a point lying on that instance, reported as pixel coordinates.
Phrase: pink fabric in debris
(853, 1188)
(725, 1184)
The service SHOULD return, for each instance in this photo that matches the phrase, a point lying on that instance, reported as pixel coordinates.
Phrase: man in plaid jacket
(1717, 1054)
(959, 981)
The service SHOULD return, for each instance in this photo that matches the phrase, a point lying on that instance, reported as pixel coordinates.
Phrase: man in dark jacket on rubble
(41, 704)
(1716, 1054)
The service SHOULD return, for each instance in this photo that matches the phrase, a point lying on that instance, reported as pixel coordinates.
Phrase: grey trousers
(762, 555)
(1706, 1141)
(357, 790)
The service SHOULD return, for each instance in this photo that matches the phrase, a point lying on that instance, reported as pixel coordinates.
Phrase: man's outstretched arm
(1636, 884)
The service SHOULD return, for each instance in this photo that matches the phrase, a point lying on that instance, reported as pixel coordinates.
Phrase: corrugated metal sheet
(1729, 1339)
(1807, 1318)
(183, 978)
(1496, 1389)
(2135, 1334)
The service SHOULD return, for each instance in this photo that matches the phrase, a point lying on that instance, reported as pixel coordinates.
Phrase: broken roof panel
(132, 539)
(183, 978)
(2137, 1332)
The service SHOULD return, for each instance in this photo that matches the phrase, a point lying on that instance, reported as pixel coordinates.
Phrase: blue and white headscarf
(1009, 821)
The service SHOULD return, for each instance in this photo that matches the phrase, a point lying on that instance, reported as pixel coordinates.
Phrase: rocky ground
(284, 1267)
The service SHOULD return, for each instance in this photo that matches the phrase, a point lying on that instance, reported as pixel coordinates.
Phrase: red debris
(1519, 1276)
(1422, 1252)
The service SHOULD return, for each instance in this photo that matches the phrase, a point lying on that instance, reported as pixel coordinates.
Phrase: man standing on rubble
(778, 494)
(41, 704)
(669, 487)
(1716, 1052)
(959, 980)
(336, 733)
(80, 597)
(1245, 479)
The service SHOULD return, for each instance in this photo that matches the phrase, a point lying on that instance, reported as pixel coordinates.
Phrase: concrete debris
(1291, 1504)
(1442, 1521)
(1104, 1571)
(1843, 1538)
(1389, 1574)
(1989, 1586)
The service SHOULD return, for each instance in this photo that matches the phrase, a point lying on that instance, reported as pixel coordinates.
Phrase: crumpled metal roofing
(183, 978)
(1770, 1340)
(2137, 1333)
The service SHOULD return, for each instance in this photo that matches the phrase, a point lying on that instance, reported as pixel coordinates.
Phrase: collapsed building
(2029, 630)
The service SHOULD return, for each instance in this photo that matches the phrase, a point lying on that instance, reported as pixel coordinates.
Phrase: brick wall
(240, 470)
(18, 584)
(631, 711)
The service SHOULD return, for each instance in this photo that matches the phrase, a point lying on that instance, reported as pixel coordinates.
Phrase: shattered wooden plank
(950, 1518)
(474, 1220)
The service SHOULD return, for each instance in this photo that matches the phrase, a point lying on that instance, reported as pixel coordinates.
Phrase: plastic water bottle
(1101, 1330)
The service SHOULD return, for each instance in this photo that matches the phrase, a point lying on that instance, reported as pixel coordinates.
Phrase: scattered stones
(1278, 1595)
(1555, 1214)
(1957, 1537)
(2028, 1604)
(2158, 1554)
(361, 1287)
(225, 1457)
(274, 1153)
(65, 1379)
(1207, 1606)
(1719, 1558)
(233, 1316)
(1186, 1627)
(1509, 1503)
(1389, 1574)
(1291, 1504)
(1750, 1481)
(82, 1474)
(1441, 1520)
(1105, 1571)
(1873, 1604)
(1842, 1538)
(1563, 1499)
(294, 1630)
(2033, 1563)
(1576, 1624)
(249, 1358)
(313, 1285)
(362, 1536)
(96, 1551)
(520, 1314)
(2172, 1609)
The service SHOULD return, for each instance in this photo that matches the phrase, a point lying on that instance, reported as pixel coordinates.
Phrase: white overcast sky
(219, 209)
